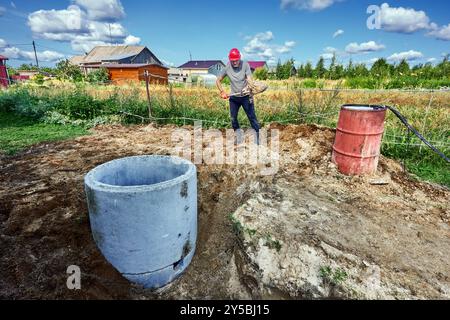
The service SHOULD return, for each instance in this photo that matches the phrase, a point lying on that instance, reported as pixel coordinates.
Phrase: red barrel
(356, 149)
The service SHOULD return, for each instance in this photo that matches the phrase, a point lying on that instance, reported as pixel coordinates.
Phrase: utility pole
(190, 56)
(35, 54)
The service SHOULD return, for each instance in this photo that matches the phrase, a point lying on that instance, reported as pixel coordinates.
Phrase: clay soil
(388, 222)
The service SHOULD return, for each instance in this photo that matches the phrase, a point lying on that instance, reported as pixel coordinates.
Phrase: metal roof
(76, 60)
(126, 65)
(102, 53)
(119, 57)
(200, 64)
(257, 64)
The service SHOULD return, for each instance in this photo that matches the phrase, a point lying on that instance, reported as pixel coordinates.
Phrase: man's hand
(224, 95)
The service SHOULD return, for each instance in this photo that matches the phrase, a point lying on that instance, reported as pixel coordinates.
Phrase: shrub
(309, 83)
(261, 74)
(39, 79)
(100, 75)
(363, 83)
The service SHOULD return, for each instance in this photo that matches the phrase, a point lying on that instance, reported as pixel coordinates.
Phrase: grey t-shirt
(237, 76)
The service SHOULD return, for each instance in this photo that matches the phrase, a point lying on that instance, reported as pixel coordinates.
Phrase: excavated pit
(305, 232)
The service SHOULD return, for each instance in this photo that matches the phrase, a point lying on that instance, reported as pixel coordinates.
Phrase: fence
(427, 110)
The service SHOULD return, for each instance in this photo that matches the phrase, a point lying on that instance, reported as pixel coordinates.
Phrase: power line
(15, 44)
(62, 51)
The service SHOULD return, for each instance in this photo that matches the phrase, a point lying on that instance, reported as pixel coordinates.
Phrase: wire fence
(327, 109)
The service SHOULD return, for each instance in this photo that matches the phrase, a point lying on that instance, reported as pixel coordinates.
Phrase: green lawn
(18, 133)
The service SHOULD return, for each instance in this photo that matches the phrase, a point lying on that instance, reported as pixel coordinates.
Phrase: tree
(339, 72)
(403, 68)
(309, 71)
(279, 70)
(284, 71)
(320, 70)
(48, 70)
(11, 70)
(442, 70)
(380, 69)
(261, 73)
(301, 71)
(25, 66)
(288, 68)
(332, 70)
(360, 70)
(336, 70)
(350, 70)
(67, 71)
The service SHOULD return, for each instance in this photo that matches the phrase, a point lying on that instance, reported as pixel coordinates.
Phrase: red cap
(234, 55)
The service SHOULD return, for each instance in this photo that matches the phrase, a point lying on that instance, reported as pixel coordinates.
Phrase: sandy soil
(259, 236)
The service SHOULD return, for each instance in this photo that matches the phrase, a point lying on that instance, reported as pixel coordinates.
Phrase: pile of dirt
(305, 231)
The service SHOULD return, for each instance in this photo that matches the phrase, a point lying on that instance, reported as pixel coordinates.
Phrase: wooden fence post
(146, 75)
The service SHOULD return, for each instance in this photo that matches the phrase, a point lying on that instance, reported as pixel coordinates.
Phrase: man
(238, 72)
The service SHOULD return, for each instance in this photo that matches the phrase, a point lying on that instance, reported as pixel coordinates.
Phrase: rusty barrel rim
(364, 107)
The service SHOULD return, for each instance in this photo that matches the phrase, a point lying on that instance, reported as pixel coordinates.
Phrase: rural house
(4, 78)
(273, 70)
(202, 67)
(257, 64)
(120, 73)
(176, 75)
(124, 63)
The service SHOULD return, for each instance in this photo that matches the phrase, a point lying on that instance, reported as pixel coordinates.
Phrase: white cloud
(442, 33)
(59, 24)
(2, 11)
(15, 53)
(431, 60)
(13, 5)
(102, 10)
(48, 55)
(260, 47)
(327, 56)
(410, 55)
(365, 47)
(131, 40)
(87, 45)
(286, 48)
(289, 44)
(329, 53)
(371, 61)
(338, 33)
(100, 31)
(85, 27)
(403, 20)
(258, 43)
(168, 63)
(312, 5)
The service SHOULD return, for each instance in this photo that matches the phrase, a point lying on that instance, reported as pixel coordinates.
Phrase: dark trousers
(249, 108)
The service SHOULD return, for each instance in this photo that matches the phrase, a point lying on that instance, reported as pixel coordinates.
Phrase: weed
(335, 277)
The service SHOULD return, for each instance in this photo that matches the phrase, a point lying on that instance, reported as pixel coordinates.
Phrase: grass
(421, 162)
(335, 277)
(19, 132)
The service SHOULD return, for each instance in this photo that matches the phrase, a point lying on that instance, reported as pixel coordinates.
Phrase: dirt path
(322, 218)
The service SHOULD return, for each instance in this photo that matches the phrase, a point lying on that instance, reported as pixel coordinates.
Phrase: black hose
(412, 129)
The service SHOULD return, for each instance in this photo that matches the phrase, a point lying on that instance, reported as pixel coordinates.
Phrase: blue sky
(268, 30)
